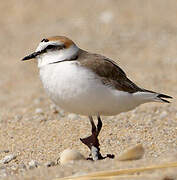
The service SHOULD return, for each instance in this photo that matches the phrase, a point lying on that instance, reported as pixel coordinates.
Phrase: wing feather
(108, 71)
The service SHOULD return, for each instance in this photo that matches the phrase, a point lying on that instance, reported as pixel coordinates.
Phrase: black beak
(31, 56)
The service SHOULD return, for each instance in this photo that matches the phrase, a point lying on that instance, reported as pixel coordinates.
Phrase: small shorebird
(88, 84)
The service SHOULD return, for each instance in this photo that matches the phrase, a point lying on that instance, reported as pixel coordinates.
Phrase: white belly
(77, 90)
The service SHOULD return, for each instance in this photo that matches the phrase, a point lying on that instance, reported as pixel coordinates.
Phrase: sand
(139, 35)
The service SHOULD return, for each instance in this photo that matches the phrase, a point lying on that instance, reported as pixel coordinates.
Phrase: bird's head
(53, 49)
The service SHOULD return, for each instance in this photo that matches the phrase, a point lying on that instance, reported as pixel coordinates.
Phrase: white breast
(78, 90)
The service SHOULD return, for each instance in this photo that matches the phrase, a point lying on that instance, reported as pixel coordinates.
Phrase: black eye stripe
(50, 47)
(55, 47)
(45, 40)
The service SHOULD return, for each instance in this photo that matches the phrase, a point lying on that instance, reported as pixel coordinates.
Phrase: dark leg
(93, 124)
(99, 125)
(92, 141)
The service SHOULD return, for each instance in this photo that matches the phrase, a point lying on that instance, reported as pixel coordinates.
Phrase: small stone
(69, 155)
(33, 164)
(54, 108)
(133, 153)
(18, 117)
(22, 166)
(39, 111)
(14, 168)
(163, 114)
(61, 113)
(73, 116)
(8, 158)
(5, 151)
(49, 164)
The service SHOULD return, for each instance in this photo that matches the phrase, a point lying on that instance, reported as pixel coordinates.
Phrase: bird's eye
(45, 40)
(55, 47)
(50, 47)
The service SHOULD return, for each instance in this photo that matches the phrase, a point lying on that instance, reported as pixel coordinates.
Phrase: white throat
(58, 55)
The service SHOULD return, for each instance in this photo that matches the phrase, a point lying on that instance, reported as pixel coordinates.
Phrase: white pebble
(133, 153)
(73, 116)
(8, 158)
(33, 164)
(163, 114)
(69, 155)
(39, 111)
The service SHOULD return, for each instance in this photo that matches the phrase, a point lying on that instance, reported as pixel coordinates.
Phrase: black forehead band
(45, 40)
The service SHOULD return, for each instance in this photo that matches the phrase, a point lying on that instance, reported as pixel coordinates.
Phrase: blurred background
(140, 35)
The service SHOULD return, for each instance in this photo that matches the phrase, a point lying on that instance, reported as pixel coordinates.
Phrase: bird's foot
(92, 142)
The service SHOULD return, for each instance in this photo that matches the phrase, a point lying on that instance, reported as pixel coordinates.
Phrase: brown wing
(111, 74)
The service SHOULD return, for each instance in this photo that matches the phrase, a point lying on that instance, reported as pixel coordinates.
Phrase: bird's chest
(65, 81)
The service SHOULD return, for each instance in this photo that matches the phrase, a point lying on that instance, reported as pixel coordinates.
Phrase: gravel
(39, 111)
(50, 164)
(33, 164)
(8, 158)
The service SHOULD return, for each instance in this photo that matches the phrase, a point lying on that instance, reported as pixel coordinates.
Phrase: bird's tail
(150, 96)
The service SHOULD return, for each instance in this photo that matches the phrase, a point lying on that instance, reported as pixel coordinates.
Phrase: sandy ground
(140, 35)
